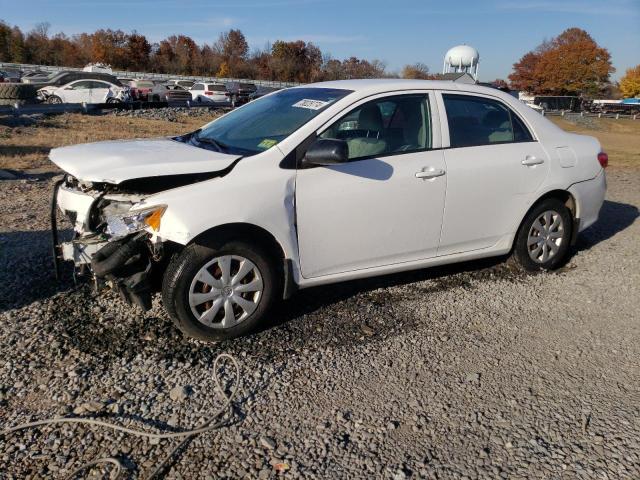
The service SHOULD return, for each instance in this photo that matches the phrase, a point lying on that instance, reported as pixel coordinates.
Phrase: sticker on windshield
(310, 104)
(267, 143)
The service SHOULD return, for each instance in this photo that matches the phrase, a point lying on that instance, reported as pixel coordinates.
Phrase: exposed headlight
(119, 226)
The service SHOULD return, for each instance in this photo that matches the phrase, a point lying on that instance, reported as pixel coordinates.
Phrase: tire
(22, 91)
(113, 100)
(181, 282)
(54, 100)
(538, 247)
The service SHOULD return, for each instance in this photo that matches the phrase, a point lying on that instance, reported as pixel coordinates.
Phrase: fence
(565, 113)
(152, 76)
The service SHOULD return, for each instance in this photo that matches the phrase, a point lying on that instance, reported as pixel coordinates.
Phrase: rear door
(494, 166)
(99, 91)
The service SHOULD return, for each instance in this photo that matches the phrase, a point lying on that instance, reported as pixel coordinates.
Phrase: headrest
(370, 118)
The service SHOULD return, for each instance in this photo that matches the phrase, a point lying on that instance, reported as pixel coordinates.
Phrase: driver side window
(386, 126)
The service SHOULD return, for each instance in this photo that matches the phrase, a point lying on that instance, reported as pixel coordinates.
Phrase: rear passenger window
(477, 121)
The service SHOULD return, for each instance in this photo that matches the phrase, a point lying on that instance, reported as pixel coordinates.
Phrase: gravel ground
(471, 371)
(170, 114)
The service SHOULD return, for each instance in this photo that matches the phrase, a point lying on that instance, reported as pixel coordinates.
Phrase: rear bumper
(589, 196)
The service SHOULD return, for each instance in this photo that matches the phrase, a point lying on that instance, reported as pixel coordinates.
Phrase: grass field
(619, 138)
(25, 148)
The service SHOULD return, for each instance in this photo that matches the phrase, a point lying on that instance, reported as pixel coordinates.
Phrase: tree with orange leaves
(570, 64)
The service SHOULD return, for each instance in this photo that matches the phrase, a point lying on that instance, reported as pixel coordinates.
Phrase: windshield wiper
(210, 141)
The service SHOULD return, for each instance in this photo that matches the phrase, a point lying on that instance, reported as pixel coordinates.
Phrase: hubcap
(225, 291)
(545, 236)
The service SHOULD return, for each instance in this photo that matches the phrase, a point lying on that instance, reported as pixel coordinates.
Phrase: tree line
(228, 56)
(570, 64)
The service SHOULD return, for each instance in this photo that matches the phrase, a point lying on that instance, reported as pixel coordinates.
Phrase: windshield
(144, 84)
(263, 123)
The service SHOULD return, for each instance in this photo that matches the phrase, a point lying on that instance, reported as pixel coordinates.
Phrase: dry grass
(619, 138)
(27, 148)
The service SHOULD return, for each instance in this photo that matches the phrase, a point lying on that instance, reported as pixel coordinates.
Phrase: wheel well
(564, 197)
(242, 231)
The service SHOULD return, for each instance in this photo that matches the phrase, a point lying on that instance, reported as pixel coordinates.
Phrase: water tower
(462, 59)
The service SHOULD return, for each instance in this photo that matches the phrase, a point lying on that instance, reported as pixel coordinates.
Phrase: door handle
(430, 172)
(530, 161)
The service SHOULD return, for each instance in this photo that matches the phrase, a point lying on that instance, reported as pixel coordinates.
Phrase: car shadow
(26, 268)
(614, 218)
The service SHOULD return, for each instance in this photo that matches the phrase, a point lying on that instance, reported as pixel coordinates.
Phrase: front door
(382, 207)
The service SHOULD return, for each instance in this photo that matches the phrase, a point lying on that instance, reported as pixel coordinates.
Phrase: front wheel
(113, 100)
(218, 293)
(543, 240)
(54, 100)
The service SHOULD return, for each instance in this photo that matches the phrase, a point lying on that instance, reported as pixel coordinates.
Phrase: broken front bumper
(123, 265)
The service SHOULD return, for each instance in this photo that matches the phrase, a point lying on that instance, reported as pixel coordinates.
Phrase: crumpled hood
(119, 160)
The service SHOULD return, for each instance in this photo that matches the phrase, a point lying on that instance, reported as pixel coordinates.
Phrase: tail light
(603, 158)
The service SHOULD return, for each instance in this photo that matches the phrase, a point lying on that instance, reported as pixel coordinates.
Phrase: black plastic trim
(55, 241)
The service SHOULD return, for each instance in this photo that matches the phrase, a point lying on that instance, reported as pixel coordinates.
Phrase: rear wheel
(543, 240)
(217, 293)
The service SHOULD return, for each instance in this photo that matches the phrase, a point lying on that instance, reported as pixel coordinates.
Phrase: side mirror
(326, 151)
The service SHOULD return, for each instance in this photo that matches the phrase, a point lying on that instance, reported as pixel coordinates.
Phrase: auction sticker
(310, 104)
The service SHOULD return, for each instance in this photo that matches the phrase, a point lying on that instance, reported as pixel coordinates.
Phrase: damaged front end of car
(114, 240)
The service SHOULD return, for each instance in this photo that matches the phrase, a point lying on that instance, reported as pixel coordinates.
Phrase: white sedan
(324, 183)
(84, 91)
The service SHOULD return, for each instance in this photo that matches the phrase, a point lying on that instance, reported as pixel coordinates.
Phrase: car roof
(380, 85)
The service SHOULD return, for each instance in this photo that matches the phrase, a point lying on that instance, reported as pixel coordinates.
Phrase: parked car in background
(240, 92)
(186, 84)
(65, 77)
(215, 93)
(166, 93)
(85, 91)
(140, 89)
(262, 91)
(11, 75)
(325, 183)
(35, 73)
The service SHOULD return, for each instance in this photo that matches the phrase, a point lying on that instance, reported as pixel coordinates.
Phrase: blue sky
(395, 31)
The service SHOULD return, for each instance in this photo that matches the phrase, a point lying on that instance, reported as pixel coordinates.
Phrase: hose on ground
(215, 421)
